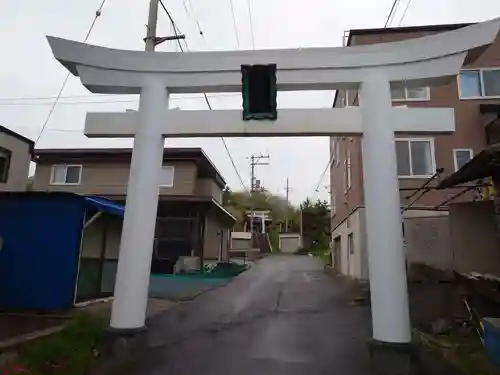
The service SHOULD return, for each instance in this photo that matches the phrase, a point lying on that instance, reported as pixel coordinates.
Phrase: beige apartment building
(191, 220)
(419, 157)
(16, 153)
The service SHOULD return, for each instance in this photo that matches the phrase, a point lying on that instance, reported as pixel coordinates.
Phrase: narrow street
(284, 316)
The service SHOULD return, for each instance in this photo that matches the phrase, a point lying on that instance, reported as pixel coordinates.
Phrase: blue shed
(40, 238)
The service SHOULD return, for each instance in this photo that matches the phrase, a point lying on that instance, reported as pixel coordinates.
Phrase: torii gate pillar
(431, 60)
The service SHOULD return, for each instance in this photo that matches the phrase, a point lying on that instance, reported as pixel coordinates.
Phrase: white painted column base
(137, 240)
(386, 258)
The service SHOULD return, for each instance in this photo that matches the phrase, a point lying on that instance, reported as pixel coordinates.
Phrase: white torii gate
(426, 61)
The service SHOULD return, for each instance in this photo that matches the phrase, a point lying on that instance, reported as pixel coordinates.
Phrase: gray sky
(28, 69)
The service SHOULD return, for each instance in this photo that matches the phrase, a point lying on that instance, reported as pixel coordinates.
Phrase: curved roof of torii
(81, 59)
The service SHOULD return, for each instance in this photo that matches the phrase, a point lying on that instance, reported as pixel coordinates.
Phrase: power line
(20, 101)
(251, 23)
(404, 12)
(234, 24)
(51, 111)
(391, 13)
(188, 13)
(209, 106)
(66, 103)
(173, 24)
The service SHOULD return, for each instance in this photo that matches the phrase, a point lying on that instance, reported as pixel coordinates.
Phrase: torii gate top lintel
(426, 60)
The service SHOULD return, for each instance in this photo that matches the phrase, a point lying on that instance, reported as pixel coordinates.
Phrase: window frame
(350, 243)
(433, 156)
(471, 153)
(173, 176)
(407, 99)
(5, 178)
(52, 170)
(481, 84)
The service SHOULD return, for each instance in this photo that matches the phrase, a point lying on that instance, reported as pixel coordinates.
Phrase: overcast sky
(29, 71)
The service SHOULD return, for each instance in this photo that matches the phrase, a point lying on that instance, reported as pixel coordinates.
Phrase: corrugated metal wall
(39, 257)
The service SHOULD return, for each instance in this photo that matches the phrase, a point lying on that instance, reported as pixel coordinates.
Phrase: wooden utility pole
(151, 39)
(254, 161)
(287, 190)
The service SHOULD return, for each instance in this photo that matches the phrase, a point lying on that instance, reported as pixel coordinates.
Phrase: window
(401, 94)
(347, 171)
(479, 83)
(410, 94)
(66, 174)
(350, 243)
(461, 157)
(334, 148)
(167, 176)
(5, 156)
(415, 157)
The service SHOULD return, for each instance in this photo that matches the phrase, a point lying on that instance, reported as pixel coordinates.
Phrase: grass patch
(323, 254)
(72, 351)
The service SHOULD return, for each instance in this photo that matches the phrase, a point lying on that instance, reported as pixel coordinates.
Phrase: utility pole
(287, 190)
(151, 39)
(254, 161)
(152, 22)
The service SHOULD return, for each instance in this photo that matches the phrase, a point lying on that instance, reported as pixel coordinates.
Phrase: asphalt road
(284, 316)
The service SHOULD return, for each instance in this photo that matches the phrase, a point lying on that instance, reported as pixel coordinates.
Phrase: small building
(16, 153)
(191, 220)
(42, 240)
(289, 242)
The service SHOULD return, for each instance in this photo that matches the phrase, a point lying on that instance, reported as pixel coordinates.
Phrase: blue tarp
(105, 205)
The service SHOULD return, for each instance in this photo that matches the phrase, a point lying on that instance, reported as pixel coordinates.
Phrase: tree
(315, 224)
(239, 202)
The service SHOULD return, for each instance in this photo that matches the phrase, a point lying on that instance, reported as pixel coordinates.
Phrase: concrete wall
(475, 237)
(19, 163)
(428, 239)
(353, 264)
(112, 179)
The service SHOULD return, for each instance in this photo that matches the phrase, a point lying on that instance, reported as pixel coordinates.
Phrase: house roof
(197, 155)
(13, 134)
(408, 29)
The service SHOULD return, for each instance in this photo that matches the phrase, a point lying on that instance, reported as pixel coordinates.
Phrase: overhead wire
(249, 6)
(234, 24)
(392, 12)
(20, 100)
(51, 111)
(233, 163)
(188, 13)
(404, 12)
